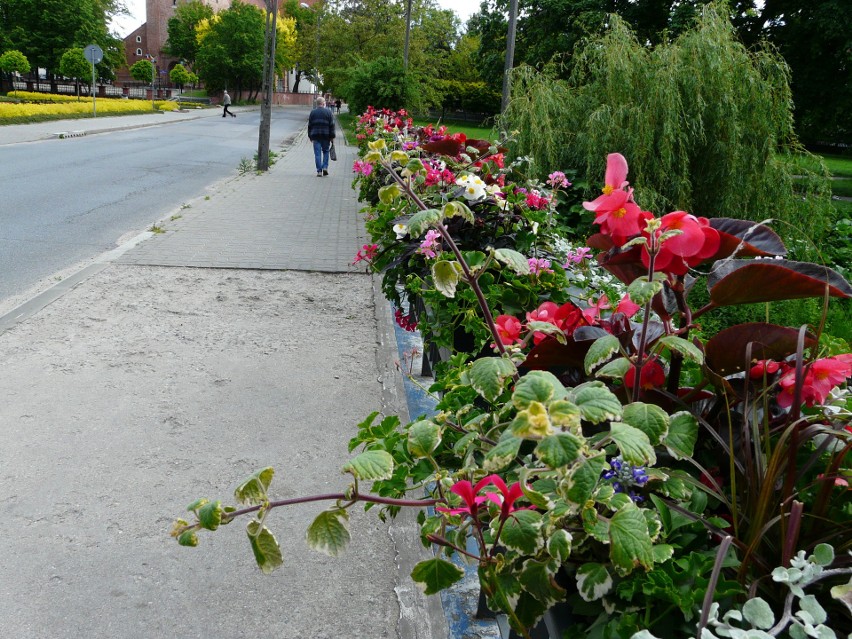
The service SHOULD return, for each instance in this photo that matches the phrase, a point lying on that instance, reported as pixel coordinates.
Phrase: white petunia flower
(474, 187)
(401, 231)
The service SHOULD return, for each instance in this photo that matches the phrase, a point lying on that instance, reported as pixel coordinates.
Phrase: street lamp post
(268, 83)
(153, 77)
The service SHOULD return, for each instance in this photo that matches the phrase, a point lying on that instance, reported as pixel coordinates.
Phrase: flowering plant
(595, 453)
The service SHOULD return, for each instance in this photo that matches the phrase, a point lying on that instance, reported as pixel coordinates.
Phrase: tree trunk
(295, 88)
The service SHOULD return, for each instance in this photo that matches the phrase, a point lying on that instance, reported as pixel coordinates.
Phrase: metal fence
(64, 87)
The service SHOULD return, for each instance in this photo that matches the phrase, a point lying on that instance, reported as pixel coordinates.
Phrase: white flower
(474, 187)
(401, 230)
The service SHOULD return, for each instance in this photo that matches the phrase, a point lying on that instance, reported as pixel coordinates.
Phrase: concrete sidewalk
(237, 339)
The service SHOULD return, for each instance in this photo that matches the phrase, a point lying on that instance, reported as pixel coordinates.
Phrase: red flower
(652, 375)
(508, 328)
(507, 497)
(766, 367)
(544, 313)
(696, 242)
(820, 377)
(467, 492)
(627, 306)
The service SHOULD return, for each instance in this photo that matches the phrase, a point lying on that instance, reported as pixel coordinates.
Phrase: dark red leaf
(444, 147)
(745, 239)
(550, 355)
(726, 351)
(751, 281)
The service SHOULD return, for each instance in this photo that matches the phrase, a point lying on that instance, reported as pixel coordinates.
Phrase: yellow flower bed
(23, 110)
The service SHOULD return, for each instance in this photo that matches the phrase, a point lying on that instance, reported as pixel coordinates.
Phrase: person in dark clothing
(337, 105)
(321, 133)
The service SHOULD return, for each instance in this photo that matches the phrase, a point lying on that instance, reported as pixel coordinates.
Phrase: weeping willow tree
(705, 124)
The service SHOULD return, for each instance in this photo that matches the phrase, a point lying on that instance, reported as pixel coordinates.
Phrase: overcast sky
(126, 24)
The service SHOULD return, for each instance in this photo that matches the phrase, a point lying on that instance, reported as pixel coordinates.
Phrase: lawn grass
(474, 131)
(842, 187)
(839, 165)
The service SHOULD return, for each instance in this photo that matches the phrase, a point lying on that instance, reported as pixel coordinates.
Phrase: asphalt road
(66, 201)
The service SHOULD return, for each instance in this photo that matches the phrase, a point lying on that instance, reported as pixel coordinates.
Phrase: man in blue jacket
(321, 133)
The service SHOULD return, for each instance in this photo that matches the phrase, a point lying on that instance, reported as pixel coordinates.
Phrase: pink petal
(616, 170)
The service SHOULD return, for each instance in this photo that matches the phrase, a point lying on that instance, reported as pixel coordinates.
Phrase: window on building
(138, 51)
(138, 38)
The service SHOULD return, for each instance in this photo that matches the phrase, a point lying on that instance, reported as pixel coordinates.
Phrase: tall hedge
(705, 124)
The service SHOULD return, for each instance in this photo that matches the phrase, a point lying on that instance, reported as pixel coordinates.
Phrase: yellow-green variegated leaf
(389, 193)
(596, 402)
(329, 532)
(373, 157)
(514, 260)
(616, 369)
(252, 490)
(423, 438)
(446, 274)
(377, 145)
(371, 465)
(422, 220)
(634, 445)
(457, 208)
(560, 450)
(532, 423)
(686, 348)
(600, 351)
(399, 156)
(488, 376)
(537, 386)
(267, 552)
(641, 291)
(502, 454)
(564, 414)
(649, 418)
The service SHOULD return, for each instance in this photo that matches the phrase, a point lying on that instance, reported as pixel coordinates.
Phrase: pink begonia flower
(619, 217)
(820, 377)
(576, 256)
(546, 312)
(509, 329)
(697, 242)
(593, 313)
(536, 201)
(558, 180)
(539, 265)
(627, 306)
(364, 168)
(430, 243)
(614, 180)
(468, 493)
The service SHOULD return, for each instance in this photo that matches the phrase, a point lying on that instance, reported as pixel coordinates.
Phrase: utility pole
(268, 85)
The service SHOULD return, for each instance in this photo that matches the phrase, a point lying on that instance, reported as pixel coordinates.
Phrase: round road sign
(93, 53)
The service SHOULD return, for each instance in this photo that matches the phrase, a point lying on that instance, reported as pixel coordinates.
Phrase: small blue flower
(626, 477)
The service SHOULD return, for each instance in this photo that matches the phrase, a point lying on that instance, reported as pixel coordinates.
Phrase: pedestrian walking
(226, 102)
(321, 133)
(337, 105)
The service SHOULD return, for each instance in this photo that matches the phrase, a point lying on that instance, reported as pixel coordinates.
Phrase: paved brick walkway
(285, 219)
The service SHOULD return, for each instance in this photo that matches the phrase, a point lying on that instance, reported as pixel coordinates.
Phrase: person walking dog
(321, 133)
(226, 102)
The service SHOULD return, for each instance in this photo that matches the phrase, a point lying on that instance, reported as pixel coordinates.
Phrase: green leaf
(329, 532)
(559, 450)
(210, 515)
(456, 208)
(537, 386)
(641, 291)
(564, 414)
(596, 402)
(593, 581)
(810, 605)
(422, 220)
(188, 538)
(649, 418)
(843, 594)
(758, 613)
(538, 579)
(616, 369)
(423, 438)
(446, 275)
(823, 555)
(198, 503)
(532, 423)
(522, 531)
(630, 543)
(662, 553)
(371, 465)
(594, 524)
(388, 194)
(415, 165)
(633, 444)
(687, 349)
(502, 454)
(559, 545)
(265, 547)
(600, 351)
(514, 260)
(476, 260)
(253, 489)
(682, 435)
(584, 479)
(548, 329)
(488, 376)
(436, 574)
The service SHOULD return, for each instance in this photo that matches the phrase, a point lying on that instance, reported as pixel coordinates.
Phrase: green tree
(142, 71)
(705, 124)
(73, 64)
(383, 83)
(12, 62)
(230, 53)
(182, 41)
(179, 75)
(44, 29)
